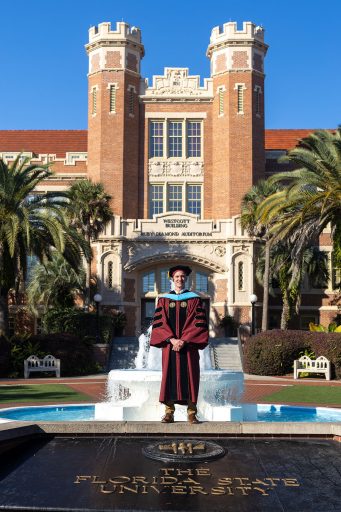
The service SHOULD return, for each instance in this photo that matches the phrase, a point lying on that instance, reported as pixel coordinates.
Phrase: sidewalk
(255, 386)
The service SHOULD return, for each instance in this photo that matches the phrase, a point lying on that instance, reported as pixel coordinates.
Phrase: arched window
(110, 275)
(148, 282)
(201, 282)
(240, 276)
(164, 281)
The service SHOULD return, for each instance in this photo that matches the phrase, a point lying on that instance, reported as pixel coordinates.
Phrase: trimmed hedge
(5, 357)
(273, 352)
(76, 356)
(79, 323)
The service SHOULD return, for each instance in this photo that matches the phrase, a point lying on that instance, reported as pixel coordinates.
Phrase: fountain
(133, 394)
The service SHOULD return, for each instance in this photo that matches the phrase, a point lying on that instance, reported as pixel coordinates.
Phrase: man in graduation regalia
(180, 330)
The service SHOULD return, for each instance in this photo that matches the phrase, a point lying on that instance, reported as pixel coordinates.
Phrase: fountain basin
(133, 395)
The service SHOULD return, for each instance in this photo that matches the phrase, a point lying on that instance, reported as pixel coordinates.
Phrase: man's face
(179, 278)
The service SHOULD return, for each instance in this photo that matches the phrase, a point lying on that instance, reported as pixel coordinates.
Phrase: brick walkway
(256, 387)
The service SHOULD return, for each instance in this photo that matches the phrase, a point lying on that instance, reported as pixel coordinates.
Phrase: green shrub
(80, 323)
(76, 356)
(273, 352)
(5, 357)
(327, 344)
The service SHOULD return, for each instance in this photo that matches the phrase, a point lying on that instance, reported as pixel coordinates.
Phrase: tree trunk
(4, 323)
(266, 280)
(88, 279)
(285, 311)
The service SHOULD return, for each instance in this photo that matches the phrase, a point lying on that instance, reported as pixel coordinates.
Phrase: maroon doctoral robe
(180, 316)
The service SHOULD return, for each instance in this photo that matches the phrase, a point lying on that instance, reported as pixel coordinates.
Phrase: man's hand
(177, 344)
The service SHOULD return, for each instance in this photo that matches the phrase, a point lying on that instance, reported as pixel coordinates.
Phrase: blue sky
(43, 82)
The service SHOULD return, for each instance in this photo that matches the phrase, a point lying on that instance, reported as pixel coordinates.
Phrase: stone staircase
(225, 353)
(123, 352)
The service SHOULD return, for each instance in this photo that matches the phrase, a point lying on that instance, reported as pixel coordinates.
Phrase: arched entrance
(154, 280)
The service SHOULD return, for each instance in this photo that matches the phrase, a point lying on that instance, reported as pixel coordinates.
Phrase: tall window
(175, 139)
(194, 138)
(201, 282)
(156, 199)
(240, 276)
(148, 282)
(240, 99)
(110, 275)
(112, 106)
(164, 282)
(257, 100)
(94, 101)
(221, 102)
(156, 139)
(131, 101)
(174, 198)
(194, 199)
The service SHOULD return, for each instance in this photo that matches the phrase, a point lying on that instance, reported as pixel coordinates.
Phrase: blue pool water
(282, 413)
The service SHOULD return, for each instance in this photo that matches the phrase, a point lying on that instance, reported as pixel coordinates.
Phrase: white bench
(306, 365)
(47, 364)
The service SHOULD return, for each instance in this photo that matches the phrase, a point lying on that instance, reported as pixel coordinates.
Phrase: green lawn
(41, 393)
(309, 394)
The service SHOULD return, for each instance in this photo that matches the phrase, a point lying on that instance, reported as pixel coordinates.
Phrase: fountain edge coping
(19, 430)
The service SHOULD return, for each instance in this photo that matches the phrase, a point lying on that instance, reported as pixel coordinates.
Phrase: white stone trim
(177, 83)
(176, 115)
(75, 156)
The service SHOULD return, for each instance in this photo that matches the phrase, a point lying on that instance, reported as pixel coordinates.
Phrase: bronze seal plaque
(183, 304)
(172, 304)
(189, 450)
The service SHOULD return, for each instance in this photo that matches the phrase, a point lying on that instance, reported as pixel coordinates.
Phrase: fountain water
(133, 394)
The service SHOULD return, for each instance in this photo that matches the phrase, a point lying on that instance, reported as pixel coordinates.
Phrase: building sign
(178, 226)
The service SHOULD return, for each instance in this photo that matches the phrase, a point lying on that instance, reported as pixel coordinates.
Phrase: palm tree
(90, 212)
(312, 197)
(30, 225)
(250, 222)
(314, 266)
(55, 284)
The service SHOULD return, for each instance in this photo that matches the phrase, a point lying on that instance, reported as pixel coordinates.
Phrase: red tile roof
(285, 139)
(60, 141)
(44, 141)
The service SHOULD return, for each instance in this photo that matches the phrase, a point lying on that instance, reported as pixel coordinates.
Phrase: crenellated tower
(237, 70)
(113, 116)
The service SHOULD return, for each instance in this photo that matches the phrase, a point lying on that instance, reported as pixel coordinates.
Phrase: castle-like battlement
(123, 31)
(231, 32)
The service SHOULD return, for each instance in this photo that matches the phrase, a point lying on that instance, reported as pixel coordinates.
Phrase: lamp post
(253, 300)
(98, 300)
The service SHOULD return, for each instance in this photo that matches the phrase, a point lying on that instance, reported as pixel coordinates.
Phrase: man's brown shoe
(193, 419)
(168, 418)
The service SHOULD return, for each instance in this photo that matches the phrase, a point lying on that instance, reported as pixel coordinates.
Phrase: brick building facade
(176, 157)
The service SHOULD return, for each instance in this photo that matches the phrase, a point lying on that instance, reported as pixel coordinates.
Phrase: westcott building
(177, 158)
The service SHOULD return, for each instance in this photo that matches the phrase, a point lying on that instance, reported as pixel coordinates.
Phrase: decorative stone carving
(241, 248)
(220, 250)
(175, 168)
(158, 168)
(177, 82)
(131, 250)
(194, 168)
(113, 248)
